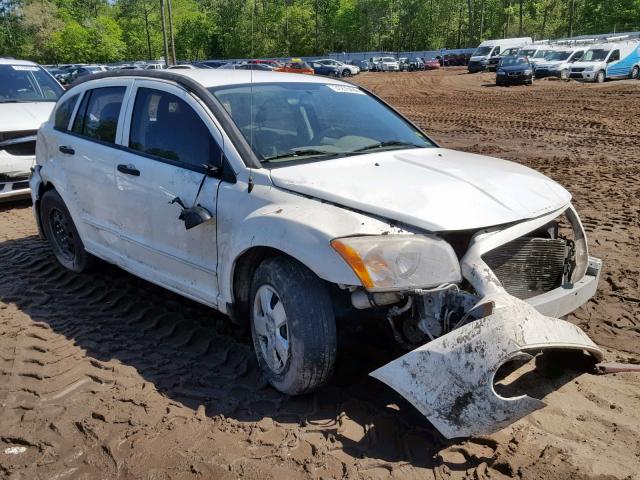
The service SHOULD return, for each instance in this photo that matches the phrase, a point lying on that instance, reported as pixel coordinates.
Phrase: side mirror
(194, 216)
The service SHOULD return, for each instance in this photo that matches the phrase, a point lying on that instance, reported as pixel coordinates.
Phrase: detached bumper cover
(450, 379)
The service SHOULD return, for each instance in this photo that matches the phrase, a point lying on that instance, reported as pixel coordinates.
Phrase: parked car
(404, 64)
(494, 60)
(514, 70)
(28, 94)
(289, 201)
(416, 64)
(323, 69)
(156, 66)
(558, 63)
(608, 61)
(388, 64)
(214, 63)
(432, 64)
(374, 64)
(344, 69)
(255, 66)
(85, 70)
(480, 60)
(295, 66)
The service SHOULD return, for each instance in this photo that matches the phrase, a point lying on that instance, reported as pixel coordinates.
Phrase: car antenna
(251, 116)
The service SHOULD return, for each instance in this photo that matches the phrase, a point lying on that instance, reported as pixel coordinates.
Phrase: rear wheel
(600, 76)
(635, 71)
(292, 326)
(62, 234)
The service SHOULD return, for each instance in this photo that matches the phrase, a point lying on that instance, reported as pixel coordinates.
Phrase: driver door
(168, 137)
(614, 69)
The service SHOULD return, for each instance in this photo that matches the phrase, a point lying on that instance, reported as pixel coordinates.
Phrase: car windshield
(527, 52)
(558, 55)
(541, 54)
(595, 55)
(292, 121)
(511, 61)
(482, 51)
(388, 59)
(27, 83)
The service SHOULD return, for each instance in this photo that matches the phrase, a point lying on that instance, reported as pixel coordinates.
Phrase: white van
(492, 48)
(535, 53)
(608, 61)
(558, 63)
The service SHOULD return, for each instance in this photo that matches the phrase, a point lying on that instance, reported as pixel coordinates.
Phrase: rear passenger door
(168, 138)
(89, 154)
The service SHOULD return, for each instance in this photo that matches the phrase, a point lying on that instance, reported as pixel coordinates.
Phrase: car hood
(432, 188)
(585, 64)
(478, 58)
(515, 68)
(24, 116)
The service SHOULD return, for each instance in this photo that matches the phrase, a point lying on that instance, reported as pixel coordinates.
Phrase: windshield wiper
(301, 152)
(391, 143)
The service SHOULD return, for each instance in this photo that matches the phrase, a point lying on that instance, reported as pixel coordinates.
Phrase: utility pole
(167, 60)
(173, 42)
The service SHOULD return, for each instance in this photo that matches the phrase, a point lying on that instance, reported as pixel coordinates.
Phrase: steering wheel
(330, 129)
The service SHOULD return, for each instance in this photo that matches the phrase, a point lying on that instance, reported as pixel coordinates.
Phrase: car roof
(209, 78)
(13, 61)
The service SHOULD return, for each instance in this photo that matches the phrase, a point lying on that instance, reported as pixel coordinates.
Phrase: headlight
(500, 72)
(397, 262)
(588, 69)
(527, 71)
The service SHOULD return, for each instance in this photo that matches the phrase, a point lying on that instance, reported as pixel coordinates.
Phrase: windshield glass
(289, 121)
(27, 83)
(558, 56)
(482, 51)
(541, 54)
(595, 55)
(388, 59)
(510, 61)
(527, 52)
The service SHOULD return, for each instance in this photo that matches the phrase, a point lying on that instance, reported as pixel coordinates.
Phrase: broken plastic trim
(450, 380)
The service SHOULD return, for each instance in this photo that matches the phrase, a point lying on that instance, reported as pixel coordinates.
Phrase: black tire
(600, 76)
(62, 234)
(564, 74)
(346, 72)
(635, 72)
(310, 325)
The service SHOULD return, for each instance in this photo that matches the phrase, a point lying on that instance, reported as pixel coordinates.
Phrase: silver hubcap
(271, 329)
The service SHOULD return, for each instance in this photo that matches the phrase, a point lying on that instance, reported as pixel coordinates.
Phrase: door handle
(67, 150)
(129, 170)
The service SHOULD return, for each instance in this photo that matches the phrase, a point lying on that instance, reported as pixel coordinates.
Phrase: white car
(388, 64)
(288, 201)
(558, 63)
(344, 69)
(28, 94)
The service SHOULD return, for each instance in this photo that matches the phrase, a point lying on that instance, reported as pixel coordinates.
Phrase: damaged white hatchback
(281, 198)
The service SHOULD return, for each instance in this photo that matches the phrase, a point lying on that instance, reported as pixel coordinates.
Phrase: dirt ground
(107, 376)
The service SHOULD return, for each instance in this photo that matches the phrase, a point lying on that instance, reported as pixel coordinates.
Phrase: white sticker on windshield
(345, 89)
(25, 68)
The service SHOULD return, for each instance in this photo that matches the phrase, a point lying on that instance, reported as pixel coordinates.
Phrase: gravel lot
(108, 376)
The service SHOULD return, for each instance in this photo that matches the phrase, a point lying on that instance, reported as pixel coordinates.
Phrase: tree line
(65, 31)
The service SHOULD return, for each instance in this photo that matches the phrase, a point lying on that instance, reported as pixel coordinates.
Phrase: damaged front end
(516, 279)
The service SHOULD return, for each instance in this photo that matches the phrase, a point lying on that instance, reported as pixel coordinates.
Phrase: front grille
(20, 185)
(527, 267)
(24, 149)
(13, 178)
(4, 136)
(577, 70)
(575, 75)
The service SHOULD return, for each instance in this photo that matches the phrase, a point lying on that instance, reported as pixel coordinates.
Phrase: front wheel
(62, 234)
(600, 76)
(564, 74)
(292, 326)
(346, 72)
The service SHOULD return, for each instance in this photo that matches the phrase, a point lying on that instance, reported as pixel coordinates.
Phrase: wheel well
(245, 266)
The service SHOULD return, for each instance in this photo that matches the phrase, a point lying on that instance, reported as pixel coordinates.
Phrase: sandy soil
(107, 376)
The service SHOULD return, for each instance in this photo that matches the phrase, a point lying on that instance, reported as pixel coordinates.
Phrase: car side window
(615, 56)
(64, 112)
(97, 117)
(165, 126)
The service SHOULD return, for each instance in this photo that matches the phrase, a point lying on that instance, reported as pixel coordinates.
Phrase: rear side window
(97, 117)
(165, 126)
(63, 113)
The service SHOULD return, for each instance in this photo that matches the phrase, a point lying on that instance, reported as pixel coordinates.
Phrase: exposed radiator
(528, 266)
